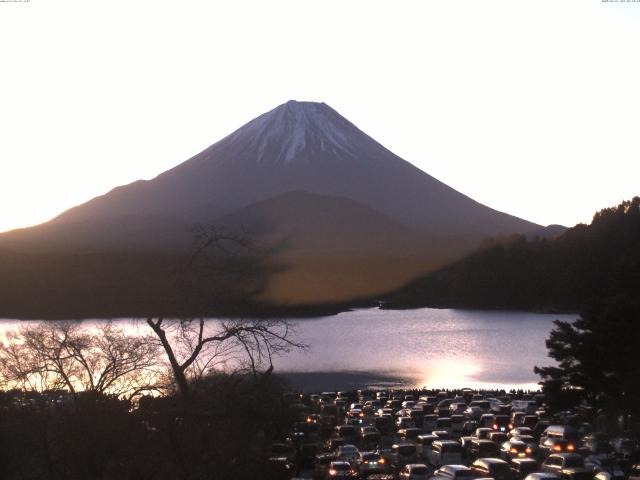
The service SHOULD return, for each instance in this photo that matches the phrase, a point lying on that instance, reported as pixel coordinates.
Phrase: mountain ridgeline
(587, 263)
(337, 218)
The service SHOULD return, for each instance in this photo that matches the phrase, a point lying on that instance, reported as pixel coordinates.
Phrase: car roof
(489, 461)
(524, 460)
(445, 442)
(456, 467)
(565, 455)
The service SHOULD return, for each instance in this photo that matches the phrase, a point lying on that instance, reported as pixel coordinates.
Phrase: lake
(438, 348)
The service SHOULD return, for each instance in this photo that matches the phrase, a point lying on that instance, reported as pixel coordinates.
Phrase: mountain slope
(301, 146)
(331, 249)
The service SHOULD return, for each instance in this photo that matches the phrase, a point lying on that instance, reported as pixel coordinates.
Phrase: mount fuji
(350, 219)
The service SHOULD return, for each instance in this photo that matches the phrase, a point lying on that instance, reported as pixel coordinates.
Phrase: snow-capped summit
(309, 147)
(293, 129)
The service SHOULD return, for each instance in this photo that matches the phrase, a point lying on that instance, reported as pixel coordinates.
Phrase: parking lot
(448, 435)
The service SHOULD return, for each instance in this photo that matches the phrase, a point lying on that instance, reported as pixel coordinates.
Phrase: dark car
(515, 449)
(321, 465)
(370, 436)
(370, 463)
(348, 432)
(569, 466)
(502, 423)
(482, 449)
(555, 445)
(521, 467)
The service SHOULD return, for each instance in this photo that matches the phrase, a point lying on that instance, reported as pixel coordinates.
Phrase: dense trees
(597, 360)
(565, 273)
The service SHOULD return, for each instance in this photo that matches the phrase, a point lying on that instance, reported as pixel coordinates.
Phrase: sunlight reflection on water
(423, 347)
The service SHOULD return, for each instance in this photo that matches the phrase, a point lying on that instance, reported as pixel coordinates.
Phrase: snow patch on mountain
(296, 127)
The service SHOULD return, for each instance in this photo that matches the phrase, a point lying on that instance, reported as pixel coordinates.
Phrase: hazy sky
(530, 107)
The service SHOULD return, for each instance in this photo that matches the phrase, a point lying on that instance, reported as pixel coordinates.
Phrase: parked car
(521, 467)
(347, 452)
(515, 449)
(542, 476)
(454, 472)
(502, 423)
(403, 454)
(370, 435)
(483, 433)
(445, 452)
(321, 465)
(423, 444)
(555, 445)
(569, 466)
(340, 469)
(414, 471)
(348, 432)
(405, 422)
(530, 442)
(409, 433)
(492, 467)
(369, 463)
(429, 422)
(498, 438)
(519, 431)
(480, 448)
(486, 420)
(634, 474)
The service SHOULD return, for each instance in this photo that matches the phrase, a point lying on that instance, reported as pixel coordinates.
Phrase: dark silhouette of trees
(565, 273)
(598, 354)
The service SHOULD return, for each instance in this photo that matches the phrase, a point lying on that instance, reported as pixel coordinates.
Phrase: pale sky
(530, 107)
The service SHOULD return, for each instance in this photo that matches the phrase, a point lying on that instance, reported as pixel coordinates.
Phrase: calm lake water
(422, 347)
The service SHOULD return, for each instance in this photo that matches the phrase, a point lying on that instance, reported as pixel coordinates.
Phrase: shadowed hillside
(565, 273)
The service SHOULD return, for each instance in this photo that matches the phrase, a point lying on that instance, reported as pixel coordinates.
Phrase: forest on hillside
(565, 273)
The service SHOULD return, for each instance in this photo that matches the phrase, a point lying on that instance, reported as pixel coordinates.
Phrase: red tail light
(381, 460)
(557, 448)
(332, 471)
(510, 426)
(514, 450)
(528, 450)
(495, 426)
(570, 448)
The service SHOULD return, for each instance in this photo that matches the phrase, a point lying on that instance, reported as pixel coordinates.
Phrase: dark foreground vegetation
(566, 273)
(222, 432)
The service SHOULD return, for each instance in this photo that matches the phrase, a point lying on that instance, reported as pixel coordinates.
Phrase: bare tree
(62, 355)
(195, 347)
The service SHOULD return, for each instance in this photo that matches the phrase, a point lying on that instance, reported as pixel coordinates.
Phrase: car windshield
(341, 466)
(574, 462)
(465, 474)
(485, 448)
(406, 449)
(499, 468)
(419, 470)
(450, 448)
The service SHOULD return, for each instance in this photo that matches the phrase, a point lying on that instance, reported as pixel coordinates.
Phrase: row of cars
(445, 436)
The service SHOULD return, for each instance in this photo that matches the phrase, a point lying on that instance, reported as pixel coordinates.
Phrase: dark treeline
(223, 432)
(565, 273)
